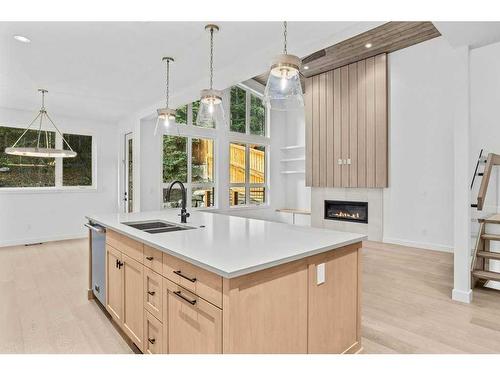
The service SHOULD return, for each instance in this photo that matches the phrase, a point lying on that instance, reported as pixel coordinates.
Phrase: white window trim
(189, 132)
(59, 187)
(249, 92)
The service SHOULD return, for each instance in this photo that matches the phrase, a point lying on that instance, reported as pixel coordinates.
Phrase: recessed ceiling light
(22, 39)
(368, 45)
(306, 67)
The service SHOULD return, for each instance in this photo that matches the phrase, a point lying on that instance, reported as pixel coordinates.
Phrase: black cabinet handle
(117, 264)
(151, 293)
(149, 258)
(192, 279)
(152, 341)
(179, 294)
(120, 265)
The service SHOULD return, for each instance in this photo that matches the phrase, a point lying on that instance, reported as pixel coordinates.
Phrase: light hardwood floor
(406, 304)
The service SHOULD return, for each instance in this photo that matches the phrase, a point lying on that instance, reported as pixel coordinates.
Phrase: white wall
(418, 205)
(29, 217)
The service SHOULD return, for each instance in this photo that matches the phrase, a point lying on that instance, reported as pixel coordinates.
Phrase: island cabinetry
(194, 325)
(114, 284)
(201, 282)
(153, 259)
(153, 334)
(334, 302)
(153, 286)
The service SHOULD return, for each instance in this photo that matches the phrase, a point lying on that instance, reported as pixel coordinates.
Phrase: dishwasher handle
(98, 229)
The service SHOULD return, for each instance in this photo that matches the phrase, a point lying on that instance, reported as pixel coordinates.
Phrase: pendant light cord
(211, 58)
(168, 82)
(285, 50)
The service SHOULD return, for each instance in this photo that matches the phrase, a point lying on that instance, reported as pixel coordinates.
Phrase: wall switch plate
(320, 274)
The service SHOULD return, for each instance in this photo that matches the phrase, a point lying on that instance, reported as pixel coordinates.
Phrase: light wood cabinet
(334, 304)
(153, 287)
(153, 334)
(133, 310)
(194, 325)
(114, 284)
(347, 126)
(153, 259)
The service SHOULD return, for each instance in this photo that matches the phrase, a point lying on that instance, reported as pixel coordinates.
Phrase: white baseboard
(420, 245)
(464, 296)
(27, 241)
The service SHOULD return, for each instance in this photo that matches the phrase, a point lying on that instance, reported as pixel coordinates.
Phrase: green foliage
(174, 158)
(238, 109)
(77, 171)
(257, 116)
(181, 115)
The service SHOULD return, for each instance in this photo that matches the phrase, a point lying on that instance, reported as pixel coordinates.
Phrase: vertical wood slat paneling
(330, 148)
(361, 124)
(353, 125)
(315, 128)
(337, 131)
(370, 122)
(380, 121)
(344, 102)
(322, 130)
(346, 115)
(309, 131)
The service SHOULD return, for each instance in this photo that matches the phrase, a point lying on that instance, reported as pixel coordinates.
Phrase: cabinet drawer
(153, 293)
(153, 258)
(126, 245)
(205, 284)
(153, 334)
(194, 325)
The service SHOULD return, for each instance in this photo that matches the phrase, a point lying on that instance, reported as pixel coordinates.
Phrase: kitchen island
(226, 284)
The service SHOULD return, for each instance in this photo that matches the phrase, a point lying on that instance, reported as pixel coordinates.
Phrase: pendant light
(41, 152)
(284, 90)
(211, 112)
(166, 116)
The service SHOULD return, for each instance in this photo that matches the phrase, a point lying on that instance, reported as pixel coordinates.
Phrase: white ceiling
(473, 34)
(108, 70)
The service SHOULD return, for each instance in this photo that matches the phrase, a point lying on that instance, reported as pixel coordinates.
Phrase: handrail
(491, 161)
(475, 170)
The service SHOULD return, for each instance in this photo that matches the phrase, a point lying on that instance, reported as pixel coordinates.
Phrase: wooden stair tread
(488, 254)
(488, 275)
(494, 237)
(495, 219)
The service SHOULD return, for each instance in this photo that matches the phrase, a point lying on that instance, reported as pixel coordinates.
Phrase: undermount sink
(157, 226)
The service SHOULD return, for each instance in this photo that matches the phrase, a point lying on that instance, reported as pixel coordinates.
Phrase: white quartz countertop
(227, 245)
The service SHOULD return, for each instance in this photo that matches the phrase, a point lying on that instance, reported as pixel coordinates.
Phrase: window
(29, 172)
(77, 171)
(22, 171)
(181, 115)
(191, 161)
(186, 115)
(247, 112)
(247, 174)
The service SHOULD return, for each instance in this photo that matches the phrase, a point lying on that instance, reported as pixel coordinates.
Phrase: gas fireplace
(356, 212)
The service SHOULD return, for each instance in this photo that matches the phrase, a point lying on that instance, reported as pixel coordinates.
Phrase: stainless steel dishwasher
(97, 235)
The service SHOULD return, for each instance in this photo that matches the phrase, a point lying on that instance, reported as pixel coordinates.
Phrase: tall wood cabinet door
(114, 285)
(194, 325)
(133, 300)
(333, 303)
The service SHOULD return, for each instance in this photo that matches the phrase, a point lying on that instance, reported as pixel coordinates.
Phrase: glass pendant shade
(39, 151)
(211, 111)
(166, 117)
(284, 90)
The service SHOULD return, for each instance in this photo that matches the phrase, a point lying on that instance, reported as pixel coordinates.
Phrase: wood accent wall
(346, 121)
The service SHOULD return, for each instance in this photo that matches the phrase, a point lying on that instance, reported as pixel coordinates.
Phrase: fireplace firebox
(356, 212)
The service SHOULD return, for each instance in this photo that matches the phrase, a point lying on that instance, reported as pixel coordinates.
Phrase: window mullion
(59, 162)
(247, 174)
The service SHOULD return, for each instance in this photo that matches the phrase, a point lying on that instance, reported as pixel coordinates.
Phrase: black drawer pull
(151, 293)
(149, 258)
(152, 341)
(192, 279)
(191, 301)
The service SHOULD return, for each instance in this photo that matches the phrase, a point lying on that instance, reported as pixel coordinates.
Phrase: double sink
(157, 226)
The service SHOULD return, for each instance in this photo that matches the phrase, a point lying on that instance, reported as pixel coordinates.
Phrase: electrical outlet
(320, 274)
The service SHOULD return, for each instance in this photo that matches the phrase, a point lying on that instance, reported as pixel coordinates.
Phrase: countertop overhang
(230, 246)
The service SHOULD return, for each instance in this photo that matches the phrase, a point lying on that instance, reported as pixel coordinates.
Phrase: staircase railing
(491, 161)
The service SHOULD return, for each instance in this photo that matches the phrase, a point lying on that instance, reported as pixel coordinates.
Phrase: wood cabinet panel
(153, 334)
(153, 288)
(133, 300)
(266, 311)
(334, 304)
(114, 284)
(193, 327)
(346, 126)
(125, 245)
(153, 259)
(205, 284)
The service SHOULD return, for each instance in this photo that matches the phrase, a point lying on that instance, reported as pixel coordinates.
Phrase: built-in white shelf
(295, 147)
(293, 172)
(292, 159)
